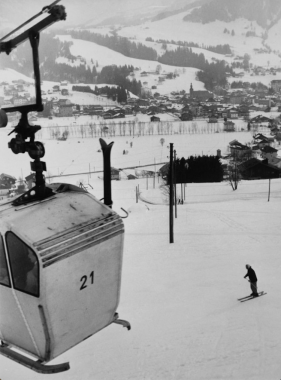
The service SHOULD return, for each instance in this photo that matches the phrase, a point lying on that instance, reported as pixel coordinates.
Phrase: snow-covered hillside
(9, 75)
(181, 298)
(104, 56)
(207, 34)
(274, 36)
(212, 34)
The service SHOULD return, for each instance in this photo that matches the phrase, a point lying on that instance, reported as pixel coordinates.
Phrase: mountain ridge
(265, 13)
(124, 12)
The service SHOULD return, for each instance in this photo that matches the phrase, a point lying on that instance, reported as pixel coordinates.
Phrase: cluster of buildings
(222, 104)
(17, 93)
(258, 160)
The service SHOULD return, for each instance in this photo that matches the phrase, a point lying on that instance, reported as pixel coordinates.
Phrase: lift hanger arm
(56, 13)
(44, 10)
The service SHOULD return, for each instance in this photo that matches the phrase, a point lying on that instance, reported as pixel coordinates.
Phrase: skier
(253, 280)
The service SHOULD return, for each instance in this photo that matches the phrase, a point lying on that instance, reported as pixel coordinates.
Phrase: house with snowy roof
(269, 153)
(239, 150)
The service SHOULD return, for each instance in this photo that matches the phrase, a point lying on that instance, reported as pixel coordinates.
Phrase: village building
(65, 110)
(269, 153)
(212, 119)
(56, 88)
(256, 169)
(276, 85)
(115, 174)
(243, 111)
(164, 170)
(229, 126)
(237, 97)
(64, 92)
(239, 150)
(232, 113)
(7, 180)
(202, 95)
(95, 109)
(186, 116)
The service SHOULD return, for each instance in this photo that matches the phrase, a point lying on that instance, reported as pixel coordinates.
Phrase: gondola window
(24, 265)
(4, 274)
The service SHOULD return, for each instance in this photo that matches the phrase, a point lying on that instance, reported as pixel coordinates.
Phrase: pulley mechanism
(24, 141)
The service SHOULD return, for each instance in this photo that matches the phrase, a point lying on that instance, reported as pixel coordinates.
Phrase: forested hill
(265, 13)
(213, 74)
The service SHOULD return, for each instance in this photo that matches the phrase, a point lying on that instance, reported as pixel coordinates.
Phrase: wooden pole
(171, 212)
(175, 180)
(269, 190)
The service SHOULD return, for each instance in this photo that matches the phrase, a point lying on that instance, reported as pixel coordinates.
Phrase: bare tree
(233, 176)
(165, 190)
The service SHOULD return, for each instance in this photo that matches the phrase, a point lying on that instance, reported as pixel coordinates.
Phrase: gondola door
(20, 321)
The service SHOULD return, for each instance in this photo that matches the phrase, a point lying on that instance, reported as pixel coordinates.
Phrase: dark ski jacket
(252, 275)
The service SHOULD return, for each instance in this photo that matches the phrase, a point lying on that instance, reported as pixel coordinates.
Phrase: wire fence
(112, 128)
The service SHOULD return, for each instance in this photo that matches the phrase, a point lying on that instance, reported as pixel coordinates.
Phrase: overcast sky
(16, 11)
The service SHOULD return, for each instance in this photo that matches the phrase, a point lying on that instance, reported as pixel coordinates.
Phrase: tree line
(197, 169)
(115, 93)
(119, 44)
(246, 85)
(215, 73)
(212, 74)
(220, 49)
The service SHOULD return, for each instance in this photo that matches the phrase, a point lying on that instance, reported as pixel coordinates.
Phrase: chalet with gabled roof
(256, 169)
(239, 150)
(269, 153)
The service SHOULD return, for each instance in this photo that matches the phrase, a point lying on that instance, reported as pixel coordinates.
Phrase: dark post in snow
(268, 190)
(106, 150)
(175, 180)
(171, 180)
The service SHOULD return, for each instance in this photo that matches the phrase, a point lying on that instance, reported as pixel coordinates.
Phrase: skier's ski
(243, 298)
(250, 298)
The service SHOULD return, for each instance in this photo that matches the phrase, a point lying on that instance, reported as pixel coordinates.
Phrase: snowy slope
(105, 57)
(180, 298)
(174, 28)
(274, 36)
(207, 34)
(9, 75)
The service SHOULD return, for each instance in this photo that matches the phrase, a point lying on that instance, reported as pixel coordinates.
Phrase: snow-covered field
(180, 298)
(77, 154)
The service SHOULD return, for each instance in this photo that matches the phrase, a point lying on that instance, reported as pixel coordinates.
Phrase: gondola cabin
(60, 248)
(60, 272)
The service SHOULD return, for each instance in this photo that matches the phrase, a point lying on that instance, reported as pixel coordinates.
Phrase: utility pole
(171, 213)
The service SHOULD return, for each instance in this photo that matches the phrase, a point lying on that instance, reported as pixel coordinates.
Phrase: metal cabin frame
(36, 151)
